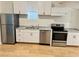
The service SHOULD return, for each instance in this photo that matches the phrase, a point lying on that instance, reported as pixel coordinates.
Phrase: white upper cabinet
(43, 8)
(19, 6)
(24, 7)
(0, 7)
(6, 7)
(47, 7)
(16, 7)
(58, 11)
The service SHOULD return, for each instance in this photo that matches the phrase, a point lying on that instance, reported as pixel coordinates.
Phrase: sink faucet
(37, 26)
(32, 26)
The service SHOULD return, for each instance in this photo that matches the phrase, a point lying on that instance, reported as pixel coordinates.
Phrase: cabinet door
(16, 7)
(35, 36)
(44, 8)
(23, 7)
(32, 36)
(0, 6)
(58, 11)
(47, 7)
(27, 36)
(77, 39)
(6, 7)
(40, 8)
(18, 35)
(33, 6)
(20, 7)
(72, 39)
(22, 33)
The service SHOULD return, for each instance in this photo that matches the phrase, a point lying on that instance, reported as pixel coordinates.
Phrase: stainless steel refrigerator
(8, 25)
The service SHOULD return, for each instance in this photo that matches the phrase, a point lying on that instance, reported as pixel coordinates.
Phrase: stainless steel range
(59, 33)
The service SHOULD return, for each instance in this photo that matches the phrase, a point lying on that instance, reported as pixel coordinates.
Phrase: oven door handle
(58, 32)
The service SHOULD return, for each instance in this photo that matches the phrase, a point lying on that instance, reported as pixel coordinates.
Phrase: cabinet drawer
(17, 30)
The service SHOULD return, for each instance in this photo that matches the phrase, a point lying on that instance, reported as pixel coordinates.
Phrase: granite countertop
(72, 30)
(34, 28)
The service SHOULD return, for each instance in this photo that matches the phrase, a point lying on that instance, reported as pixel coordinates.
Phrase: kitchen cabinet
(23, 7)
(26, 35)
(20, 7)
(43, 8)
(19, 35)
(73, 38)
(58, 11)
(47, 8)
(32, 36)
(16, 7)
(74, 19)
(6, 7)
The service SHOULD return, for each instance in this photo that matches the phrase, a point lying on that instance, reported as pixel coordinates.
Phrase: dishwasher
(44, 36)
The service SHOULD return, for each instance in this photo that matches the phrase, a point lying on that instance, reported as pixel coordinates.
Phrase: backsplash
(42, 21)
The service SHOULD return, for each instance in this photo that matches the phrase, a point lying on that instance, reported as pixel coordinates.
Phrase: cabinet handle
(31, 34)
(74, 36)
(43, 13)
(19, 35)
(19, 12)
(19, 31)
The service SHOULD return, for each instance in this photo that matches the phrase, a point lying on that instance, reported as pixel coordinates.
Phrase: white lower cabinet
(26, 35)
(32, 36)
(73, 39)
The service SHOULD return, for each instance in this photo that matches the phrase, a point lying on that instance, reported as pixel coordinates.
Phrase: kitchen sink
(32, 27)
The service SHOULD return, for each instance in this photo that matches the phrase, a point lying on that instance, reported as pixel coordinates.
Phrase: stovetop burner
(58, 27)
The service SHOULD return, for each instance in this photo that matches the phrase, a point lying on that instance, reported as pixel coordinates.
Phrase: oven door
(58, 35)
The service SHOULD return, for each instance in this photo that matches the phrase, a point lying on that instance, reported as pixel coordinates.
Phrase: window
(32, 15)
